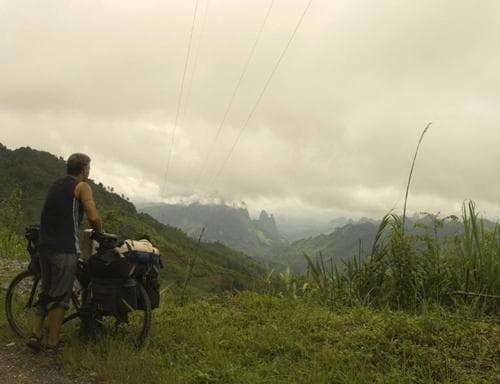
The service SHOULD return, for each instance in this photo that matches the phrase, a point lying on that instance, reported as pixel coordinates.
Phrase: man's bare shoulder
(83, 191)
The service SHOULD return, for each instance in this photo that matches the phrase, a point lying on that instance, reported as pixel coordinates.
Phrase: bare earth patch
(18, 365)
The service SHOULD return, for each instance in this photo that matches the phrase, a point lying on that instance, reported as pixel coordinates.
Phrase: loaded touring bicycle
(116, 287)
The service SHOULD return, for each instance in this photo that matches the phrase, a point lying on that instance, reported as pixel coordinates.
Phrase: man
(60, 222)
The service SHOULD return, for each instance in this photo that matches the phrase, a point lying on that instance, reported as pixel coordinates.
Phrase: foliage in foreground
(251, 338)
(11, 243)
(412, 271)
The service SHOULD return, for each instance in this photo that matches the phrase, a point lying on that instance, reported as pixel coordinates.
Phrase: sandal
(54, 349)
(34, 343)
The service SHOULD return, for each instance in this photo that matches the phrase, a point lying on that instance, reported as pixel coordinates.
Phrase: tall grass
(11, 218)
(411, 173)
(412, 271)
(190, 268)
(11, 246)
(477, 256)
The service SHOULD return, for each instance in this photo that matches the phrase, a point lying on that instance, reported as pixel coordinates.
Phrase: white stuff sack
(142, 245)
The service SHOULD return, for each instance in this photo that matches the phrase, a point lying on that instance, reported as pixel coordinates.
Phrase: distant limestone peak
(266, 219)
(267, 225)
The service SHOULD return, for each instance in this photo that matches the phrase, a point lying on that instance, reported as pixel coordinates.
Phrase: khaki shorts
(58, 274)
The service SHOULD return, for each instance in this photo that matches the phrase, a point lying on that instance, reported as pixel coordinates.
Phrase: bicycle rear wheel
(22, 295)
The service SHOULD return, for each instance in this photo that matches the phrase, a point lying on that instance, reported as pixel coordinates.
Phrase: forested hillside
(26, 175)
(355, 240)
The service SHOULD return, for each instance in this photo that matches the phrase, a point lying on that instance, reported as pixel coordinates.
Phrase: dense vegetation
(351, 240)
(355, 239)
(405, 271)
(251, 338)
(421, 307)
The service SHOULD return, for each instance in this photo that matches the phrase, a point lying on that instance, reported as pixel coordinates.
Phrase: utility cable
(233, 96)
(195, 63)
(259, 98)
(179, 101)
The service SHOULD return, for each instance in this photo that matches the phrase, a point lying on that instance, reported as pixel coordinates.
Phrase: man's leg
(38, 325)
(55, 319)
(34, 341)
(63, 268)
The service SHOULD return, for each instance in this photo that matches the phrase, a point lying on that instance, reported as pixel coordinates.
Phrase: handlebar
(100, 236)
(105, 240)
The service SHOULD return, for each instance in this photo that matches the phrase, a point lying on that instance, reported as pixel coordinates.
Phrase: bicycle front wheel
(131, 327)
(141, 319)
(21, 296)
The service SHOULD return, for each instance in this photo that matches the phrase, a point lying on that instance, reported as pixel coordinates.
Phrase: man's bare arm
(83, 192)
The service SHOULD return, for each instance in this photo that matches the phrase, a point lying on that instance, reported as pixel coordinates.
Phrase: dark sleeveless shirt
(61, 218)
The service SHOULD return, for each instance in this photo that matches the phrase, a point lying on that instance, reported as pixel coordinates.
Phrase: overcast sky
(333, 133)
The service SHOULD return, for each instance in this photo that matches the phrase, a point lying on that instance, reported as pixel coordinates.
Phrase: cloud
(335, 130)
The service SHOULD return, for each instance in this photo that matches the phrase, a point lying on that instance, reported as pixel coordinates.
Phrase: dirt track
(18, 365)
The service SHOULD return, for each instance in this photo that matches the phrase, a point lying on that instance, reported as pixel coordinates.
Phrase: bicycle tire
(143, 298)
(132, 327)
(22, 295)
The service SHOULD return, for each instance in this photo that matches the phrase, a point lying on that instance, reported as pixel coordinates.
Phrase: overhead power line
(179, 100)
(195, 64)
(233, 96)
(259, 98)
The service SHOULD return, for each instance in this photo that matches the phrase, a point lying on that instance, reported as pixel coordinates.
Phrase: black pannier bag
(146, 267)
(114, 296)
(148, 274)
(109, 264)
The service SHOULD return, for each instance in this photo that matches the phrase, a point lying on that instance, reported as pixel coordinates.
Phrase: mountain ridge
(232, 226)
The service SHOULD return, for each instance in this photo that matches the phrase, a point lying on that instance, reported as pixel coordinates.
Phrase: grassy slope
(250, 338)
